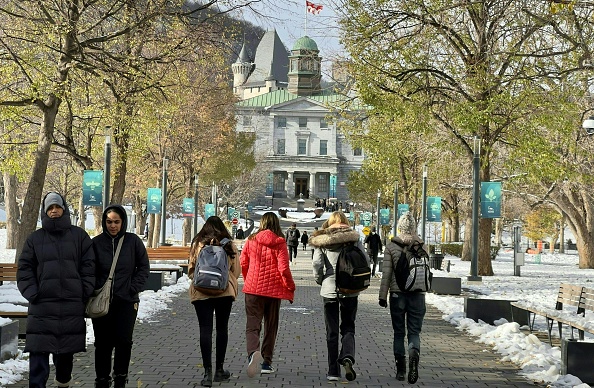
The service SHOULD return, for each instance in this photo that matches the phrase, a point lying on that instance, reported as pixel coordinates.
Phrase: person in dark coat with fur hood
(406, 308)
(329, 241)
(114, 331)
(56, 274)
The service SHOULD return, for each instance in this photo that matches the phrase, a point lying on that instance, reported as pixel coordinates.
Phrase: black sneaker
(254, 363)
(266, 369)
(349, 372)
(413, 366)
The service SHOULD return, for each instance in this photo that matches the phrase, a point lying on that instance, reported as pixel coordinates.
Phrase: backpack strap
(225, 241)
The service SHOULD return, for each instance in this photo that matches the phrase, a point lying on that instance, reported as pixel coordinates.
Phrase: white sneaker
(333, 378)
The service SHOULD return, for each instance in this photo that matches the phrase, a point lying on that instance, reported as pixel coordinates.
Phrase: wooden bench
(177, 255)
(8, 272)
(180, 253)
(569, 297)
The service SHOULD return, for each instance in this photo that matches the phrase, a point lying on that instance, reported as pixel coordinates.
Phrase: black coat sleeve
(141, 273)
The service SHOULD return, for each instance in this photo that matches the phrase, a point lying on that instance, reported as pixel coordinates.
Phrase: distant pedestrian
(56, 274)
(304, 239)
(240, 234)
(292, 238)
(146, 230)
(340, 310)
(407, 309)
(374, 247)
(207, 306)
(267, 281)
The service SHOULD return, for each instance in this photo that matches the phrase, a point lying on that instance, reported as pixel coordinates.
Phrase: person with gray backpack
(214, 269)
(407, 306)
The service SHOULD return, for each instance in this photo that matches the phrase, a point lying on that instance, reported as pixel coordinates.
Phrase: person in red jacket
(267, 280)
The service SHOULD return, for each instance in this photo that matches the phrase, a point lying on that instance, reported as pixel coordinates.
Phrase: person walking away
(267, 281)
(114, 331)
(240, 234)
(56, 274)
(374, 247)
(340, 310)
(292, 239)
(207, 306)
(304, 239)
(407, 309)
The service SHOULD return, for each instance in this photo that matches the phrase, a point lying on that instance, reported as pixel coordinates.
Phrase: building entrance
(301, 187)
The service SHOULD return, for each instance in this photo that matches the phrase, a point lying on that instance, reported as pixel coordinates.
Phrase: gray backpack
(211, 276)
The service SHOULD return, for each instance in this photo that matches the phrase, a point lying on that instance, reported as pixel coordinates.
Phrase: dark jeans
(258, 308)
(292, 252)
(346, 309)
(114, 332)
(373, 258)
(205, 309)
(407, 308)
(39, 368)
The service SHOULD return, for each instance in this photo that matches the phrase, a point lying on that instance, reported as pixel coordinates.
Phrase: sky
(537, 285)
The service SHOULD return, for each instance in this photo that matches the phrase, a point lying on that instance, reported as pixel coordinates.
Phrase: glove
(383, 303)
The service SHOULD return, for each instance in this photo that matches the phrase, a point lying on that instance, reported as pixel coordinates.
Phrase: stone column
(312, 185)
(290, 185)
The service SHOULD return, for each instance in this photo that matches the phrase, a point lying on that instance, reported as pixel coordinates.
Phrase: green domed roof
(305, 43)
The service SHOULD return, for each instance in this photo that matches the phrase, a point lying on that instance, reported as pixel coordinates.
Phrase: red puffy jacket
(265, 266)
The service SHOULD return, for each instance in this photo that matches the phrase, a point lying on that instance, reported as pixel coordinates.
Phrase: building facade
(284, 105)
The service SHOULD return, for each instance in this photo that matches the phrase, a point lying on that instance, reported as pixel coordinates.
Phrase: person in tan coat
(208, 305)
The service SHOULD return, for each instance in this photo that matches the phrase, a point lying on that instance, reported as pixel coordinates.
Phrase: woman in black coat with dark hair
(56, 274)
(113, 332)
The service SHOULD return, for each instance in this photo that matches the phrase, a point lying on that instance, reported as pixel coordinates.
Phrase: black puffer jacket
(132, 269)
(56, 274)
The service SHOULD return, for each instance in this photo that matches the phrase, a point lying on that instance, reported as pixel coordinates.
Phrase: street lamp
(196, 197)
(395, 224)
(424, 206)
(476, 164)
(106, 175)
(164, 201)
(377, 211)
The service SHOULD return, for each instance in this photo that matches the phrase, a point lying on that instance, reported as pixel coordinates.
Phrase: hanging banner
(490, 199)
(402, 208)
(209, 210)
(153, 201)
(92, 188)
(351, 216)
(188, 207)
(365, 218)
(434, 209)
(332, 186)
(269, 186)
(384, 216)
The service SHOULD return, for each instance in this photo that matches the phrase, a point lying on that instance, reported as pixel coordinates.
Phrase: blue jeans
(407, 308)
(340, 313)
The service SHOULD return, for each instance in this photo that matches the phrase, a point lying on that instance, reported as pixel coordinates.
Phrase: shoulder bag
(98, 304)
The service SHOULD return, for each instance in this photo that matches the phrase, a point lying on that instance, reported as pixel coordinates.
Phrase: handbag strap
(115, 258)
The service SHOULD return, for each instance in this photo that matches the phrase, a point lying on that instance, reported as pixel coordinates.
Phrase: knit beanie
(407, 224)
(53, 199)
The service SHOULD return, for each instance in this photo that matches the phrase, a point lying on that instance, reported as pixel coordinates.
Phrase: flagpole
(305, 19)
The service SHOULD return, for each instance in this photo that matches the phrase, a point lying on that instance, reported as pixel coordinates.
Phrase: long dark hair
(212, 232)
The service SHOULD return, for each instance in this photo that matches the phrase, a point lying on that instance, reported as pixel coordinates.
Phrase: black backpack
(412, 268)
(352, 271)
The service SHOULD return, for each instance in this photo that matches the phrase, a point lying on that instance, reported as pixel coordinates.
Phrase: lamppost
(164, 200)
(247, 213)
(196, 197)
(377, 212)
(476, 164)
(424, 207)
(395, 224)
(106, 175)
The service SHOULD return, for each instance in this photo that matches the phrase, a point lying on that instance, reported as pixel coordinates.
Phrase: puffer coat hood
(265, 266)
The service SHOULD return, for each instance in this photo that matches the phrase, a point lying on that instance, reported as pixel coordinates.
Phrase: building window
(301, 147)
(323, 183)
(279, 182)
(357, 151)
(282, 122)
(323, 124)
(280, 146)
(247, 121)
(323, 147)
(302, 122)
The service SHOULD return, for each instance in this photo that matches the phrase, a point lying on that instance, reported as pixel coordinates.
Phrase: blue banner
(153, 201)
(384, 216)
(490, 199)
(402, 208)
(365, 218)
(434, 209)
(209, 210)
(333, 186)
(188, 207)
(92, 188)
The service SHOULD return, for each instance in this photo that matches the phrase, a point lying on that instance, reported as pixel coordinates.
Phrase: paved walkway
(166, 353)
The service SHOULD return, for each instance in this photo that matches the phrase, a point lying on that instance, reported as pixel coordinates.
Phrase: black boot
(413, 366)
(221, 375)
(119, 381)
(104, 382)
(400, 368)
(207, 380)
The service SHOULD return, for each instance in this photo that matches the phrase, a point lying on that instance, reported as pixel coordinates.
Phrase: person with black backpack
(210, 303)
(407, 308)
(340, 300)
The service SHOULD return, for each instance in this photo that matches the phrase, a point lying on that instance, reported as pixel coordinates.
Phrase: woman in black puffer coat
(56, 274)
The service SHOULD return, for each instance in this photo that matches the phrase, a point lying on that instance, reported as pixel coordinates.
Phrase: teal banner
(209, 210)
(153, 201)
(384, 216)
(269, 186)
(402, 208)
(333, 186)
(490, 199)
(351, 215)
(92, 188)
(365, 219)
(188, 207)
(230, 212)
(434, 209)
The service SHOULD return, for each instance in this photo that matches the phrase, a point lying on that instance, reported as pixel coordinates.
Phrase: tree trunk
(467, 246)
(187, 231)
(82, 221)
(485, 267)
(562, 235)
(12, 209)
(151, 233)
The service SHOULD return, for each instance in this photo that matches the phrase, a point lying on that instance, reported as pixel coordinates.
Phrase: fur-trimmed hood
(326, 238)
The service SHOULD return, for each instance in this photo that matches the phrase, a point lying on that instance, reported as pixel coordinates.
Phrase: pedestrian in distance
(407, 309)
(267, 281)
(56, 274)
(292, 238)
(304, 239)
(114, 331)
(240, 234)
(374, 247)
(208, 305)
(340, 310)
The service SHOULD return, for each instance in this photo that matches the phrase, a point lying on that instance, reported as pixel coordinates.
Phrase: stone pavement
(166, 352)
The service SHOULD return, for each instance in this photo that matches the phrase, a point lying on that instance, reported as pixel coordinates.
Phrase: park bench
(8, 272)
(161, 259)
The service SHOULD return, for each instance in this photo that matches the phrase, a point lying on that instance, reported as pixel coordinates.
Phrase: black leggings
(205, 310)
